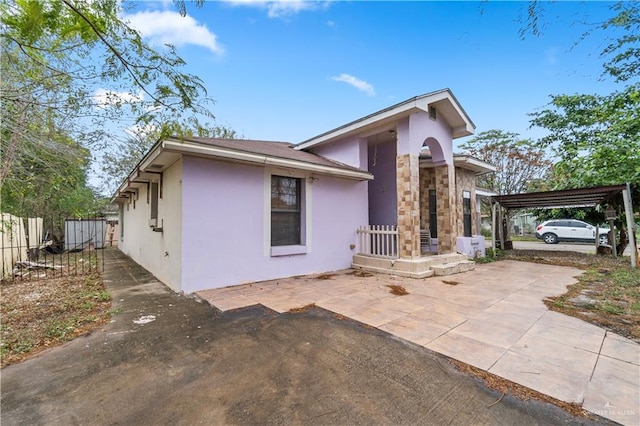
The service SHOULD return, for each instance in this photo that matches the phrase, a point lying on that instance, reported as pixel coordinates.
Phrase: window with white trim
(286, 211)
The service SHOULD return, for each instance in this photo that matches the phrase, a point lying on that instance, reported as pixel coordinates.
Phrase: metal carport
(581, 197)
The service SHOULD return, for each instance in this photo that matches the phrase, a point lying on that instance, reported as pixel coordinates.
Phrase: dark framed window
(121, 217)
(154, 200)
(286, 211)
(433, 214)
(466, 212)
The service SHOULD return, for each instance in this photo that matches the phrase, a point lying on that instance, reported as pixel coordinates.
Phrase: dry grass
(522, 392)
(40, 314)
(302, 309)
(397, 290)
(609, 285)
(361, 274)
(325, 276)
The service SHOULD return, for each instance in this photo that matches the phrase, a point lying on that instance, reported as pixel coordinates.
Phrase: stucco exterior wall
(226, 219)
(417, 129)
(159, 252)
(351, 151)
(383, 197)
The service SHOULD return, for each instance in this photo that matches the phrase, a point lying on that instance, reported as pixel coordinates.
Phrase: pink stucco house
(384, 193)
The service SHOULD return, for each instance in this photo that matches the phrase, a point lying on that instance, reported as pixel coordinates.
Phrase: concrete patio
(492, 318)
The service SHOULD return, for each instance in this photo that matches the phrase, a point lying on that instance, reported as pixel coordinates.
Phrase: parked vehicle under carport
(557, 230)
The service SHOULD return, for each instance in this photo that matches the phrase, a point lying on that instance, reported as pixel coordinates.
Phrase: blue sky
(290, 70)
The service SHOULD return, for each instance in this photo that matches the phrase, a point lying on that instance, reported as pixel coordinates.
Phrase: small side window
(466, 213)
(154, 200)
(121, 220)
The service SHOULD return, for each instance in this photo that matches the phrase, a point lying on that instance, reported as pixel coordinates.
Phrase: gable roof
(284, 150)
(444, 100)
(262, 153)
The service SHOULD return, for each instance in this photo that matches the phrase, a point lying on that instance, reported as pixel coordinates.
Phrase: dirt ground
(41, 313)
(607, 294)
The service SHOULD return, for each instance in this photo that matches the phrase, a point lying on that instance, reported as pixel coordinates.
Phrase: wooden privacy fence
(378, 240)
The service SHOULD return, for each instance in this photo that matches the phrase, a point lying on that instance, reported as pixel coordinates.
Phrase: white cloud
(361, 85)
(103, 97)
(282, 8)
(168, 27)
(551, 55)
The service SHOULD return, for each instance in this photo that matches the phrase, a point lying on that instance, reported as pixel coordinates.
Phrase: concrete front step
(398, 272)
(453, 268)
(414, 268)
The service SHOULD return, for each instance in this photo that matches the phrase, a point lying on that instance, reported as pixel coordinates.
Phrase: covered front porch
(422, 201)
(429, 225)
(422, 197)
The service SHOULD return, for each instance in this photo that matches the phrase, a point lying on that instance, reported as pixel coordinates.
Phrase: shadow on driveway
(167, 358)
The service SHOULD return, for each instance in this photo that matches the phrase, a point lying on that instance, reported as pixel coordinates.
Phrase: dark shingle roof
(269, 148)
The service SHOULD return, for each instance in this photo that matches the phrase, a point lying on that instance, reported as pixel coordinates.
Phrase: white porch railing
(378, 240)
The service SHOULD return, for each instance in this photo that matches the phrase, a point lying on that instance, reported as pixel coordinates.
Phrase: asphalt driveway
(167, 358)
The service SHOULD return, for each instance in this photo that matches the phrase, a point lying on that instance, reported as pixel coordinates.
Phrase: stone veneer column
(408, 190)
(445, 194)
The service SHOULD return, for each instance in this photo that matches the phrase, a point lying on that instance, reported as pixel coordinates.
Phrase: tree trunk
(623, 243)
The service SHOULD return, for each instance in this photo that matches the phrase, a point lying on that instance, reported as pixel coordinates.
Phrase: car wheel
(550, 238)
(604, 239)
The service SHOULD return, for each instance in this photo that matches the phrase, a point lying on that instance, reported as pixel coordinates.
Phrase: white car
(556, 230)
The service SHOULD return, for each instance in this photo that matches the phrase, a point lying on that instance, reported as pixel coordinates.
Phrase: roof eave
(393, 113)
(183, 147)
(260, 159)
(477, 166)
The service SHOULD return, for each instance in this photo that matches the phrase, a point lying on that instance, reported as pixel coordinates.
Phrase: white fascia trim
(146, 161)
(215, 152)
(479, 166)
(485, 192)
(420, 103)
(340, 132)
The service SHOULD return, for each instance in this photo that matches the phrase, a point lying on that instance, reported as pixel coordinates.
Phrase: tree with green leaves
(124, 154)
(73, 71)
(596, 138)
(520, 164)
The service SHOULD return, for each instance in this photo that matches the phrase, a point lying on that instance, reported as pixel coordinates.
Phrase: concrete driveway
(492, 318)
(168, 359)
